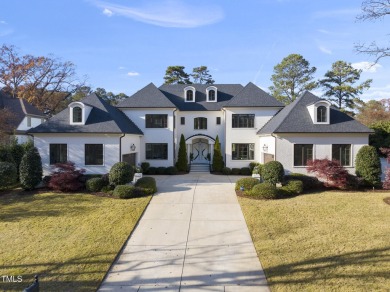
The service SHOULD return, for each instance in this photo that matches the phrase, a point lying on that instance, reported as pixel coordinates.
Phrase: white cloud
(377, 93)
(325, 50)
(167, 13)
(366, 66)
(132, 74)
(107, 12)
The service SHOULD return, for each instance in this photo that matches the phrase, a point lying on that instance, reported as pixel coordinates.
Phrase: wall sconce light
(132, 147)
(265, 148)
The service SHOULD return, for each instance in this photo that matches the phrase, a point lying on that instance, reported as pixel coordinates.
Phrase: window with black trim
(243, 121)
(321, 114)
(156, 121)
(302, 153)
(77, 114)
(189, 95)
(218, 120)
(156, 150)
(58, 153)
(342, 153)
(182, 121)
(243, 151)
(211, 95)
(200, 123)
(93, 154)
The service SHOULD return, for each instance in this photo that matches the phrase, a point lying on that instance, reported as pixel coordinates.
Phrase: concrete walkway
(192, 237)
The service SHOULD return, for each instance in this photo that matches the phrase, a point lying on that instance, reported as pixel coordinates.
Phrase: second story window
(243, 121)
(200, 124)
(212, 95)
(156, 121)
(321, 114)
(77, 115)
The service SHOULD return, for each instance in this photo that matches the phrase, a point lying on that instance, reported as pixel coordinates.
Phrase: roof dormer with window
(211, 94)
(320, 112)
(78, 113)
(189, 94)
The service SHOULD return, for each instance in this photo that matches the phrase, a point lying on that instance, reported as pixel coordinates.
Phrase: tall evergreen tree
(30, 172)
(201, 75)
(176, 75)
(217, 157)
(182, 160)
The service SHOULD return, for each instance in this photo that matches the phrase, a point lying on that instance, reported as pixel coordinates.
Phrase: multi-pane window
(93, 154)
(58, 153)
(156, 150)
(321, 114)
(189, 95)
(218, 120)
(200, 124)
(243, 151)
(342, 153)
(211, 95)
(302, 153)
(77, 115)
(182, 121)
(156, 121)
(243, 121)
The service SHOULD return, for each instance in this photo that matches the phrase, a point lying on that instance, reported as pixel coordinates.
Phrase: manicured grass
(330, 241)
(70, 240)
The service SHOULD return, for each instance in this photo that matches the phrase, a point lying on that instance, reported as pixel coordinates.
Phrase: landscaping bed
(70, 240)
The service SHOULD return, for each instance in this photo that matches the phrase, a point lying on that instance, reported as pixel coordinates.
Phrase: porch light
(265, 148)
(132, 147)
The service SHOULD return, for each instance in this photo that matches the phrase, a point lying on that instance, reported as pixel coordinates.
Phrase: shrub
(245, 171)
(217, 157)
(5, 154)
(258, 169)
(121, 173)
(107, 189)
(30, 170)
(265, 191)
(106, 179)
(252, 165)
(172, 170)
(386, 182)
(329, 170)
(128, 192)
(17, 152)
(160, 170)
(148, 184)
(94, 184)
(226, 170)
(8, 174)
(247, 182)
(368, 166)
(182, 159)
(66, 177)
(145, 167)
(292, 188)
(236, 171)
(309, 182)
(152, 170)
(273, 172)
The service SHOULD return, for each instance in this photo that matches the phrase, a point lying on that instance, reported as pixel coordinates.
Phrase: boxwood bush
(160, 170)
(236, 171)
(147, 183)
(247, 182)
(252, 165)
(121, 173)
(291, 188)
(172, 170)
(309, 182)
(265, 191)
(368, 166)
(95, 184)
(8, 174)
(145, 167)
(152, 170)
(128, 192)
(226, 171)
(273, 172)
(245, 171)
(30, 169)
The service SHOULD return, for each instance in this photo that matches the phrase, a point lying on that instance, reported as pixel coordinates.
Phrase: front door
(129, 158)
(200, 149)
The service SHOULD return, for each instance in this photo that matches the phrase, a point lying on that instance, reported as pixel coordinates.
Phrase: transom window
(243, 121)
(77, 115)
(243, 151)
(321, 114)
(156, 151)
(200, 124)
(156, 121)
(302, 154)
(58, 153)
(342, 153)
(93, 154)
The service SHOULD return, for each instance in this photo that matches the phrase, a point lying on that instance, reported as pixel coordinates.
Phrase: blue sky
(123, 45)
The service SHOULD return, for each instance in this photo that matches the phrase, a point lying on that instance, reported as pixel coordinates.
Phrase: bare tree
(374, 10)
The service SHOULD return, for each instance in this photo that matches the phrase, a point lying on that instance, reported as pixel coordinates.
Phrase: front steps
(195, 168)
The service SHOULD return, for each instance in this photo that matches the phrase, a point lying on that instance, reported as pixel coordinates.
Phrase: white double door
(200, 149)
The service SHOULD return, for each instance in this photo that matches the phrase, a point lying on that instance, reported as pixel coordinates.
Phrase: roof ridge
(22, 105)
(238, 93)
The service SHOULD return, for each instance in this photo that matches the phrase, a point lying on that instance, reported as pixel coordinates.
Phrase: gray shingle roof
(103, 118)
(148, 97)
(253, 96)
(295, 118)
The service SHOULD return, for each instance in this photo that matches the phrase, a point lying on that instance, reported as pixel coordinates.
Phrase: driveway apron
(192, 237)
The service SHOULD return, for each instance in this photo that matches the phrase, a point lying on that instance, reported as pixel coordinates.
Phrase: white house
(251, 126)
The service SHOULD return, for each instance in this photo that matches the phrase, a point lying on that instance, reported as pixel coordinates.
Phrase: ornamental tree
(331, 171)
(217, 157)
(182, 160)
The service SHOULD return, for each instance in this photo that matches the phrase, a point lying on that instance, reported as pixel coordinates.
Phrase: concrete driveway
(192, 237)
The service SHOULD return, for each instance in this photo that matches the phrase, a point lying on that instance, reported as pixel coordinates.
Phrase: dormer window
(321, 114)
(211, 93)
(189, 94)
(77, 114)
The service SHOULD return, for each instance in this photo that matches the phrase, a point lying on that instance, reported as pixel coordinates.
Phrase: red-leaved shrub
(386, 183)
(66, 178)
(331, 171)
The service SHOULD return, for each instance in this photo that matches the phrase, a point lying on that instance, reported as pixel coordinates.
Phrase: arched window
(77, 115)
(321, 114)
(211, 95)
(200, 124)
(189, 95)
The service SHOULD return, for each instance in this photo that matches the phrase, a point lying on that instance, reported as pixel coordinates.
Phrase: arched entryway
(200, 148)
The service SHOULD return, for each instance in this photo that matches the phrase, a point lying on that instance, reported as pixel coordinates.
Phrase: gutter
(276, 139)
(120, 146)
(173, 136)
(224, 119)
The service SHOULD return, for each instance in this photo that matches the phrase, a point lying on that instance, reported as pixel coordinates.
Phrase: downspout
(224, 119)
(272, 135)
(173, 137)
(120, 146)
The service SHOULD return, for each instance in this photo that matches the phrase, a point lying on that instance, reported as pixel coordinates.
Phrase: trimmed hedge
(128, 192)
(95, 184)
(152, 170)
(121, 173)
(273, 172)
(247, 182)
(245, 171)
(292, 188)
(264, 191)
(309, 182)
(172, 170)
(148, 184)
(236, 171)
(226, 171)
(30, 169)
(161, 170)
(145, 167)
(368, 166)
(8, 174)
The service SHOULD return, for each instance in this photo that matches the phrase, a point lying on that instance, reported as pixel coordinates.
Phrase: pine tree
(217, 157)
(182, 160)
(201, 75)
(176, 75)
(30, 170)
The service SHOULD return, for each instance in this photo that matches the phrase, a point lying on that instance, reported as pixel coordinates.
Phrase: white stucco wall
(23, 126)
(322, 147)
(245, 135)
(76, 150)
(268, 141)
(129, 140)
(158, 135)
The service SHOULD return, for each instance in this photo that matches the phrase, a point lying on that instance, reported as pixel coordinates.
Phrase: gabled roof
(103, 118)
(148, 97)
(253, 96)
(295, 118)
(19, 107)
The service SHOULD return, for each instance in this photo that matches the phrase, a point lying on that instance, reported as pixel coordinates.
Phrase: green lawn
(70, 240)
(330, 241)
